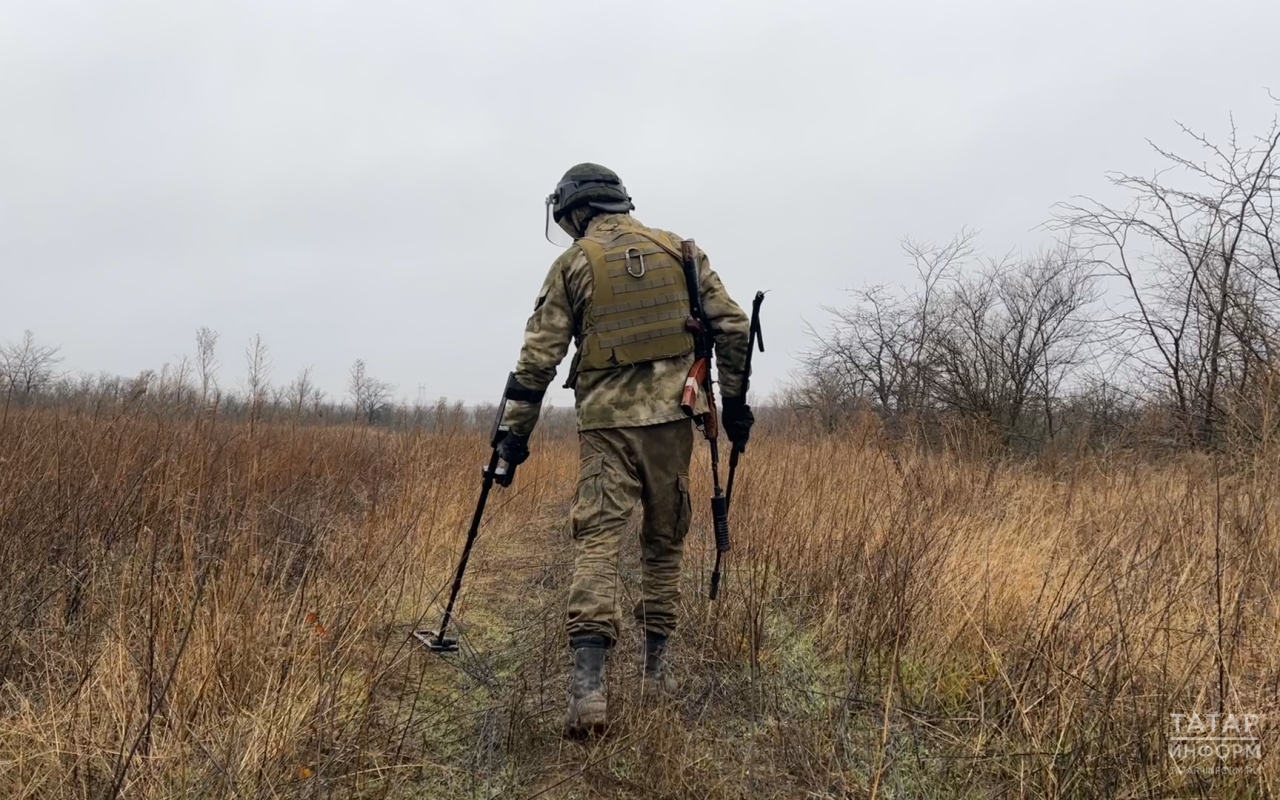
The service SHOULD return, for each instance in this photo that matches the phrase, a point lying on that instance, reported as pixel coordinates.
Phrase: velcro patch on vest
(627, 238)
(635, 322)
(632, 338)
(633, 252)
(618, 272)
(633, 305)
(640, 286)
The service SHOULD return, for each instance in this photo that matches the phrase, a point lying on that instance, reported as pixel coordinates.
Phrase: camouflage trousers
(621, 467)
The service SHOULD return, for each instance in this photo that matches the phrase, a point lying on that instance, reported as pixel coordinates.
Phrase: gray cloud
(365, 180)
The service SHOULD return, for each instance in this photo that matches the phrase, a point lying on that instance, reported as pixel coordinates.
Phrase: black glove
(513, 449)
(737, 420)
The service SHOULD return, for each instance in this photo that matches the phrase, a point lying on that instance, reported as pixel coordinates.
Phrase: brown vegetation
(1008, 527)
(196, 607)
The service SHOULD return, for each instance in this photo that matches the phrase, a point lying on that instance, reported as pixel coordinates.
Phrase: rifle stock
(693, 385)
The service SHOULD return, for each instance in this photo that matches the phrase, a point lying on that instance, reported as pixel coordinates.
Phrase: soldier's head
(585, 191)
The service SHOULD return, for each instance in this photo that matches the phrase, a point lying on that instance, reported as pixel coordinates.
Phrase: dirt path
(502, 737)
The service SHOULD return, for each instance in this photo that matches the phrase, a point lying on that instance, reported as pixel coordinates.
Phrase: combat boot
(657, 673)
(586, 689)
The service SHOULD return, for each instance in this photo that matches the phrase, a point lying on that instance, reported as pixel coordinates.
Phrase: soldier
(618, 292)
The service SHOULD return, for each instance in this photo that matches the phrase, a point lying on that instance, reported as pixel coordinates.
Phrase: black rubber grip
(720, 517)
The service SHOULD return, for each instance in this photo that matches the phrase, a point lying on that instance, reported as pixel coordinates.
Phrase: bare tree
(368, 394)
(1010, 335)
(27, 367)
(317, 401)
(206, 362)
(139, 387)
(174, 381)
(1198, 259)
(258, 377)
(299, 392)
(876, 349)
(986, 344)
(817, 391)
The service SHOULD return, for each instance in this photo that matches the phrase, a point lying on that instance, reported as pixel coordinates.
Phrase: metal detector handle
(756, 332)
(756, 338)
(502, 472)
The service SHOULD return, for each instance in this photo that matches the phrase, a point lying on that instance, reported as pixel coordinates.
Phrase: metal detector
(499, 472)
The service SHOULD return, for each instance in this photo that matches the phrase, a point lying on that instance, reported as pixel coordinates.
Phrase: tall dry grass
(193, 608)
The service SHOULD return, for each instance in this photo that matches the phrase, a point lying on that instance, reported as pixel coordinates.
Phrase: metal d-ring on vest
(640, 256)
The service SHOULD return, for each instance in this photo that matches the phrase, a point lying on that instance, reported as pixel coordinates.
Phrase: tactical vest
(639, 299)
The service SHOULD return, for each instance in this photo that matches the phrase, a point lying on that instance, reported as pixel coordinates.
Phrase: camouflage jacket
(626, 397)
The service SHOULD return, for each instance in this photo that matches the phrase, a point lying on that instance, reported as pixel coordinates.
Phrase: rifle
(700, 378)
(757, 337)
(499, 472)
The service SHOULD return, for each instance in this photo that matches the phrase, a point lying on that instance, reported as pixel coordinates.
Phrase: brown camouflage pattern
(630, 396)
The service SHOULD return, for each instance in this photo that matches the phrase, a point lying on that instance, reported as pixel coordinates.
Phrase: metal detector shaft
(499, 472)
(440, 643)
(757, 338)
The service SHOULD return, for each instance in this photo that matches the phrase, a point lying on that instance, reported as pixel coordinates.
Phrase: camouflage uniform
(635, 440)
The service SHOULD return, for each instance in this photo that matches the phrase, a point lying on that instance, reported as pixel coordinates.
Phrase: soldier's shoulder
(572, 257)
(674, 237)
(575, 271)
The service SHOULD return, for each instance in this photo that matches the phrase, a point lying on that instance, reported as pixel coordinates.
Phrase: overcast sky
(365, 180)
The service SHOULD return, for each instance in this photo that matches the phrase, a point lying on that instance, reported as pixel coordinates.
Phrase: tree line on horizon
(1153, 319)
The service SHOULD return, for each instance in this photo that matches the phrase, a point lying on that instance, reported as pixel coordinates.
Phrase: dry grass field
(203, 608)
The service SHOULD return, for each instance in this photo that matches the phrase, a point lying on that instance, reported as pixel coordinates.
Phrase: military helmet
(585, 186)
(589, 185)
